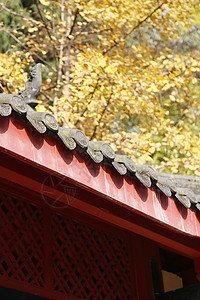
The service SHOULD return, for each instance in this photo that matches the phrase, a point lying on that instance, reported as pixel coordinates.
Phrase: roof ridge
(24, 104)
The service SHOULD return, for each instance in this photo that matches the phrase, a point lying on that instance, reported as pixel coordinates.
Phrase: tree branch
(91, 97)
(50, 88)
(26, 48)
(134, 28)
(74, 22)
(45, 24)
(2, 87)
(92, 32)
(60, 64)
(19, 15)
(103, 112)
(7, 87)
(46, 96)
(84, 27)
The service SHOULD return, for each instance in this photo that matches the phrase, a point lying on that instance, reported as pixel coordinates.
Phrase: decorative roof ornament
(24, 104)
(33, 86)
(20, 101)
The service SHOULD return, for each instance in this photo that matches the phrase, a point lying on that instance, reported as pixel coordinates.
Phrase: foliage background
(125, 72)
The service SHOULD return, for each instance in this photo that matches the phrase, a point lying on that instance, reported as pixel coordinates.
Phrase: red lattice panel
(21, 241)
(88, 263)
(81, 261)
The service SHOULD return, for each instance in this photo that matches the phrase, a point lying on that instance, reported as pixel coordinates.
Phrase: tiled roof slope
(185, 189)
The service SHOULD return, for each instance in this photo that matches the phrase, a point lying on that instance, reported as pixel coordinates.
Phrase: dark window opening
(179, 265)
(179, 280)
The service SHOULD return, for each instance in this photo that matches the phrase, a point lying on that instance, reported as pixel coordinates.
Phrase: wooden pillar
(146, 261)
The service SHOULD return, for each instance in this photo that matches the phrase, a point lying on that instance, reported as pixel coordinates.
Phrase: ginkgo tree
(111, 69)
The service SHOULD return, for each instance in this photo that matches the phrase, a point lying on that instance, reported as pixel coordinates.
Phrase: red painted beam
(46, 153)
(97, 207)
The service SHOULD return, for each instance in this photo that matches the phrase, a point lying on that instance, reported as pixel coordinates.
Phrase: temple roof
(185, 189)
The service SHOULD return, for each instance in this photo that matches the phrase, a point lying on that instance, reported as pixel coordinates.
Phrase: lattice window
(88, 263)
(82, 262)
(21, 241)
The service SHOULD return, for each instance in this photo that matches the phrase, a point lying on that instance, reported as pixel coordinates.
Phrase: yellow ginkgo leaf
(44, 2)
(32, 29)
